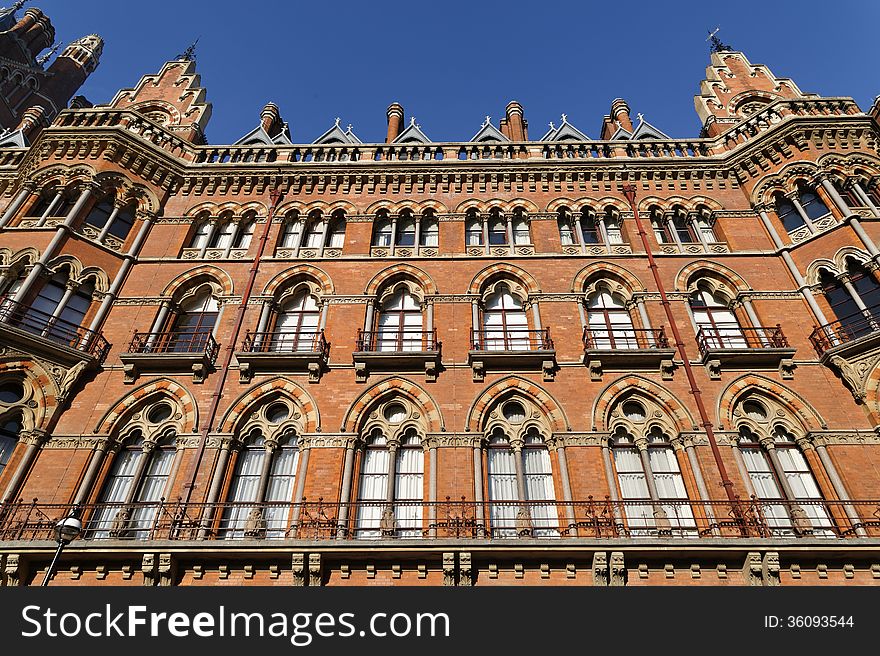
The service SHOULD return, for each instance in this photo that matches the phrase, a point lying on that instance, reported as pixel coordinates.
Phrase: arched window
(296, 324)
(520, 227)
(788, 214)
(520, 482)
(429, 235)
(662, 229)
(290, 234)
(612, 225)
(609, 323)
(10, 428)
(505, 324)
(53, 201)
(812, 204)
(135, 487)
(399, 323)
(190, 326)
(336, 230)
(679, 222)
(314, 230)
(497, 228)
(649, 479)
(382, 230)
(473, 228)
(590, 227)
(567, 233)
(702, 222)
(716, 321)
(245, 233)
(853, 297)
(265, 473)
(781, 478)
(59, 308)
(390, 489)
(406, 229)
(200, 233)
(100, 212)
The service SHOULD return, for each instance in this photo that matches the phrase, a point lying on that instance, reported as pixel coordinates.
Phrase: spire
(190, 53)
(716, 45)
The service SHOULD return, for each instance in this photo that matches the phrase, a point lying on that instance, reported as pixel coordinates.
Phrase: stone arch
(281, 280)
(502, 269)
(765, 191)
(24, 256)
(62, 175)
(800, 408)
(606, 269)
(479, 205)
(239, 410)
(871, 395)
(724, 278)
(614, 391)
(357, 413)
(196, 211)
(153, 106)
(557, 204)
(41, 390)
(527, 205)
(186, 279)
(508, 385)
(425, 281)
(850, 253)
(432, 204)
(79, 273)
(189, 420)
(814, 270)
(795, 172)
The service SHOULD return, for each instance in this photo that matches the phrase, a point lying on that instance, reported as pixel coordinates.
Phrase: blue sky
(451, 63)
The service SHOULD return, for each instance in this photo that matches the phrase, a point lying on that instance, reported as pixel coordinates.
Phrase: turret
(395, 120)
(71, 69)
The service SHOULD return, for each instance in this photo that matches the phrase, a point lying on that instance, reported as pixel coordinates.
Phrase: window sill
(543, 360)
(312, 362)
(214, 254)
(398, 361)
(601, 360)
(404, 251)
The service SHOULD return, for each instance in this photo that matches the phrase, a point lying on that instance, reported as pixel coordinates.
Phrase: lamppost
(66, 531)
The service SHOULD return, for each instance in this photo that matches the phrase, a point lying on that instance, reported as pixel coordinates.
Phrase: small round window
(514, 412)
(276, 413)
(394, 413)
(159, 413)
(634, 411)
(11, 392)
(754, 410)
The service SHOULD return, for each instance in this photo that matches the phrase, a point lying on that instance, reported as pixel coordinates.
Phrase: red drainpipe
(629, 191)
(274, 198)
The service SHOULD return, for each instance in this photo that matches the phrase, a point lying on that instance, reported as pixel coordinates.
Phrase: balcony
(513, 349)
(850, 336)
(626, 348)
(397, 350)
(282, 352)
(746, 347)
(40, 334)
(171, 352)
(678, 522)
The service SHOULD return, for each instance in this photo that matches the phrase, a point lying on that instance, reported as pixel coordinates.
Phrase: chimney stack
(620, 112)
(270, 119)
(513, 125)
(395, 120)
(33, 120)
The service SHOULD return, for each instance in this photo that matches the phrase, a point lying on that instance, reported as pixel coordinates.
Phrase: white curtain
(297, 325)
(400, 324)
(722, 330)
(408, 486)
(670, 485)
(803, 487)
(505, 324)
(429, 234)
(313, 233)
(291, 232)
(280, 490)
(116, 489)
(151, 491)
(765, 486)
(337, 233)
(566, 234)
(223, 237)
(538, 475)
(604, 310)
(633, 486)
(372, 492)
(503, 494)
(474, 228)
(521, 231)
(243, 489)
(200, 238)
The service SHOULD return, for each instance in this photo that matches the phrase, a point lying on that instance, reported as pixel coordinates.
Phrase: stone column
(20, 199)
(345, 491)
(864, 197)
(836, 482)
(209, 237)
(559, 446)
(305, 449)
(431, 445)
(508, 221)
(96, 460)
(50, 208)
(110, 219)
(32, 441)
(478, 478)
(793, 197)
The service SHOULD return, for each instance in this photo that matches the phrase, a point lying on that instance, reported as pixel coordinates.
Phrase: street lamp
(66, 531)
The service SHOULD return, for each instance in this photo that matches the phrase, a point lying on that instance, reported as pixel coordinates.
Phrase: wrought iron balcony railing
(53, 329)
(624, 338)
(846, 329)
(416, 520)
(511, 339)
(176, 342)
(734, 336)
(285, 341)
(397, 341)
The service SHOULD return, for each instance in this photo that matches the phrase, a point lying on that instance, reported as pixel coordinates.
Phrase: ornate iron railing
(462, 519)
(734, 336)
(178, 342)
(846, 329)
(53, 329)
(397, 341)
(511, 339)
(285, 341)
(625, 338)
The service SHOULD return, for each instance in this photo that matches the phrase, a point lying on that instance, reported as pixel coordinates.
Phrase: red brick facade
(417, 363)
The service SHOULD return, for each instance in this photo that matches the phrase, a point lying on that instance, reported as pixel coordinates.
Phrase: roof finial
(487, 121)
(412, 120)
(190, 53)
(565, 118)
(42, 59)
(716, 44)
(617, 123)
(552, 127)
(337, 121)
(641, 117)
(348, 129)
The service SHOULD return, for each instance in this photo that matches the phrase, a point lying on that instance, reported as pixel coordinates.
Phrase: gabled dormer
(564, 132)
(643, 130)
(412, 134)
(336, 135)
(489, 132)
